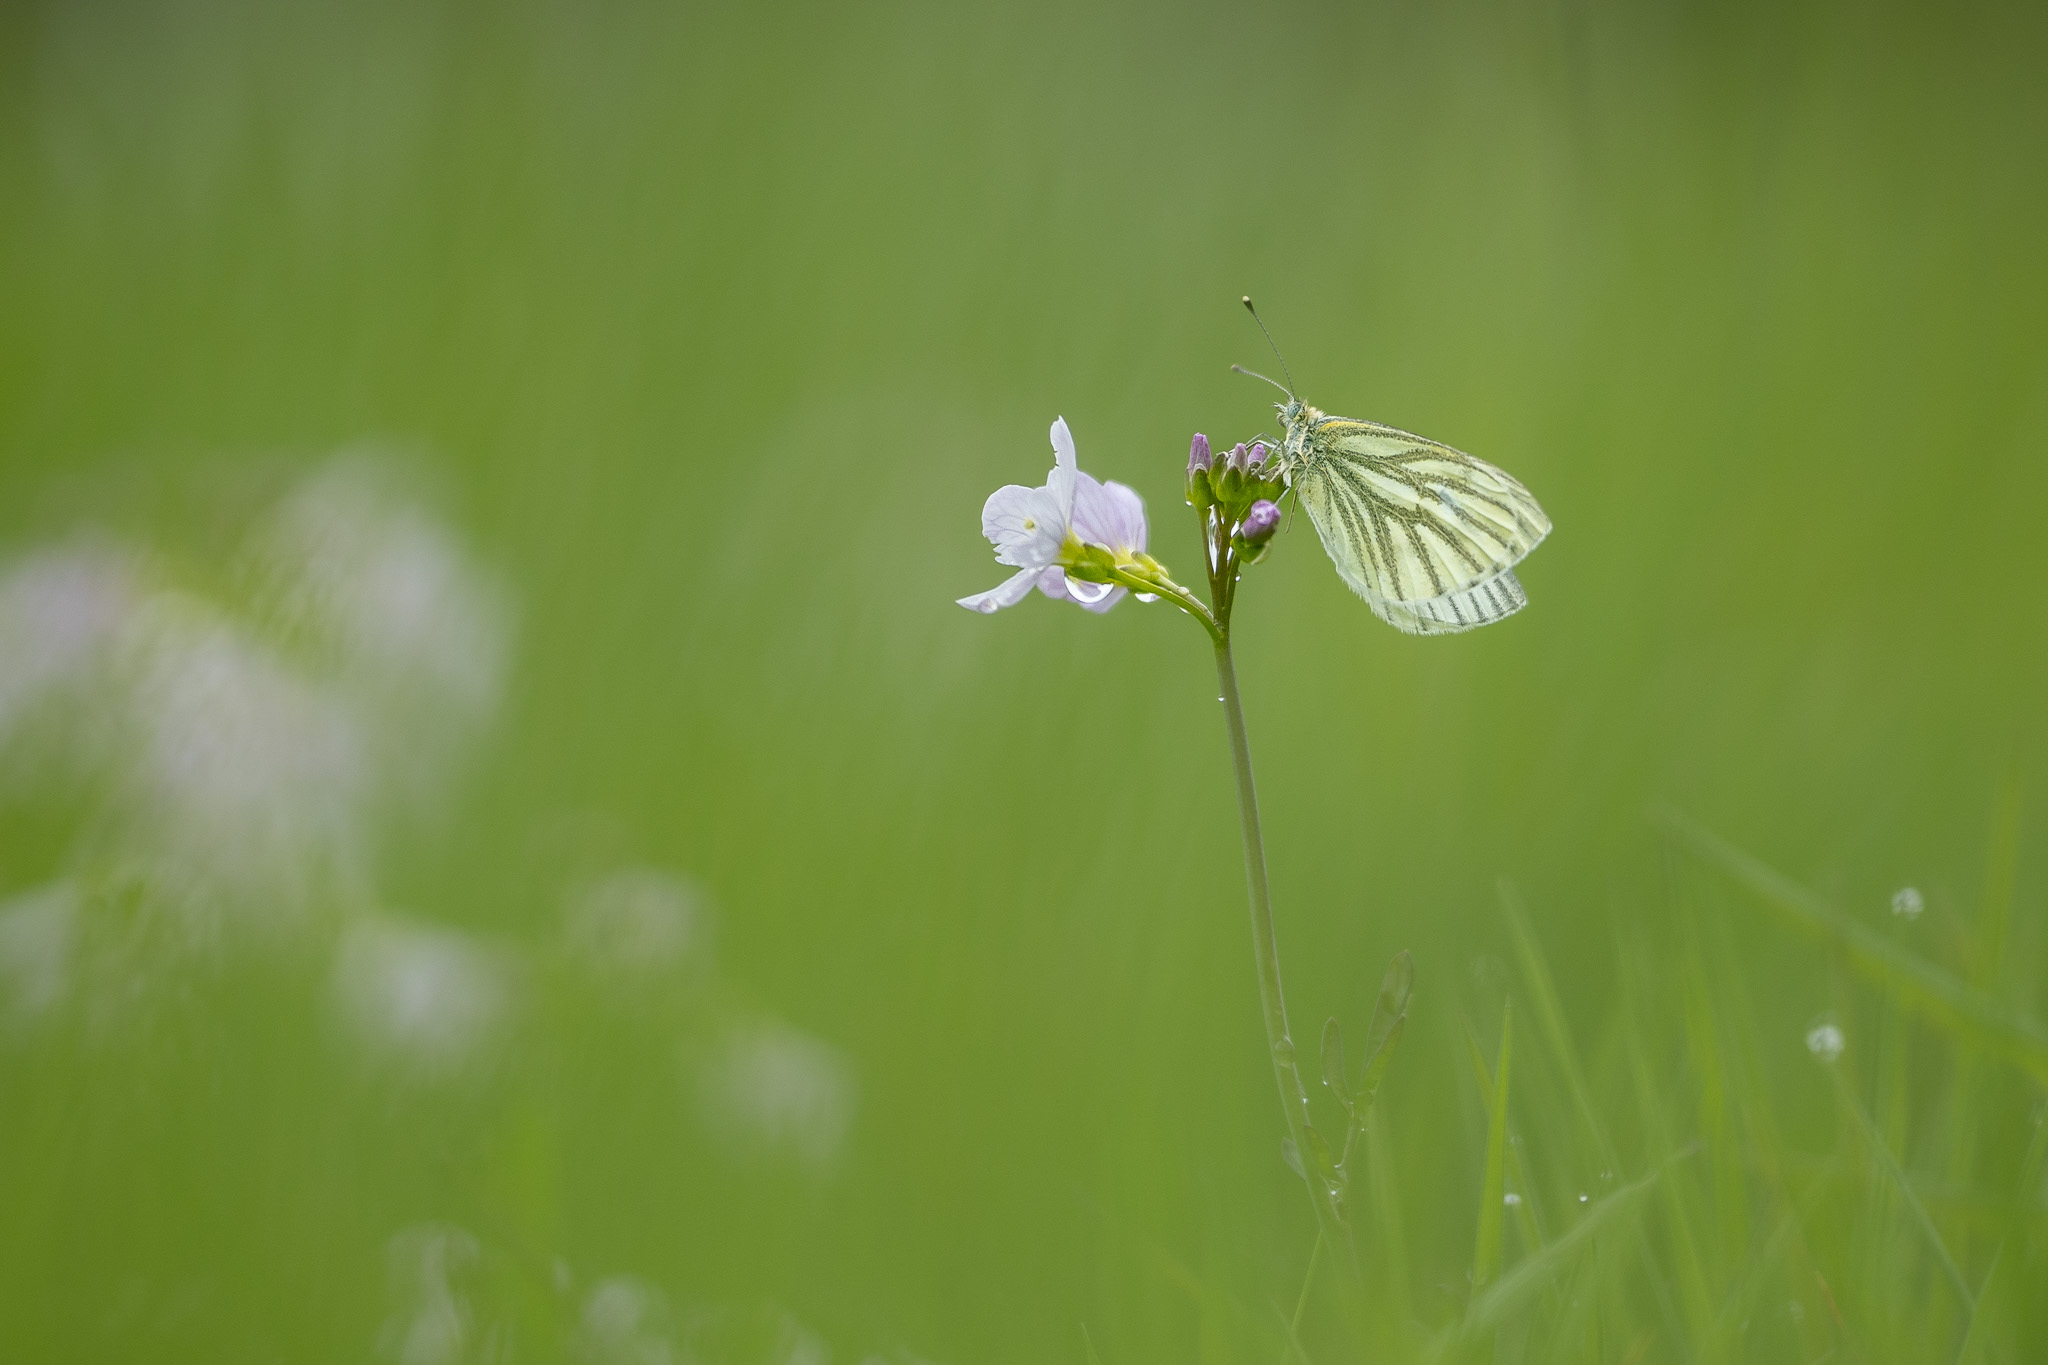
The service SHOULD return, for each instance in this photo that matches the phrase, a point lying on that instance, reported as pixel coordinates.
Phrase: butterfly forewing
(1416, 527)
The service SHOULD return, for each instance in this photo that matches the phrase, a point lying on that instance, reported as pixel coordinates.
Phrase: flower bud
(1254, 535)
(1260, 522)
(1201, 495)
(1228, 477)
(1256, 456)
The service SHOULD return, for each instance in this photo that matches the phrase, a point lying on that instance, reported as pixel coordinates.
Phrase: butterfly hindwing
(1415, 526)
(1498, 597)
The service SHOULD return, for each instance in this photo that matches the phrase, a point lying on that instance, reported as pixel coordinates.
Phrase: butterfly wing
(1421, 531)
(1498, 597)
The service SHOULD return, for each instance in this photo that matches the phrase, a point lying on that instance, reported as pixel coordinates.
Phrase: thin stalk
(1280, 1043)
(1308, 1282)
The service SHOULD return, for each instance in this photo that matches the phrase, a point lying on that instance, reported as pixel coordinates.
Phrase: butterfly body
(1427, 535)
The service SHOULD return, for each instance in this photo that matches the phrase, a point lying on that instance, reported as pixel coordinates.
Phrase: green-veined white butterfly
(1427, 535)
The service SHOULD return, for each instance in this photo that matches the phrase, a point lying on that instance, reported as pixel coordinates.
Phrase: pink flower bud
(1260, 522)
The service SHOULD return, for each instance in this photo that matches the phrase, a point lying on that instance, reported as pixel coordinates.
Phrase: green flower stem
(1286, 1070)
(1174, 593)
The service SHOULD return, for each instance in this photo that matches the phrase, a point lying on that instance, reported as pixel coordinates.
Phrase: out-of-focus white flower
(383, 596)
(799, 1345)
(238, 773)
(38, 934)
(638, 924)
(240, 758)
(1044, 533)
(624, 1322)
(433, 1321)
(427, 998)
(763, 1332)
(58, 609)
(771, 1086)
(1907, 903)
(1825, 1041)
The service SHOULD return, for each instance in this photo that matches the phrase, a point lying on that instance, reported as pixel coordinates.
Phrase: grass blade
(2015, 1228)
(1486, 1245)
(1927, 990)
(1883, 1152)
(1385, 1189)
(1532, 1273)
(1542, 988)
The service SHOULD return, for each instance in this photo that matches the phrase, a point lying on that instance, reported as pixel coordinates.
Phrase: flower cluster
(1237, 498)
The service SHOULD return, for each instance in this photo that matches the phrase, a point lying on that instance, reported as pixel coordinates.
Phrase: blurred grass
(714, 326)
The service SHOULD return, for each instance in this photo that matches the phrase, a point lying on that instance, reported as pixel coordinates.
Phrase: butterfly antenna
(1256, 375)
(1270, 342)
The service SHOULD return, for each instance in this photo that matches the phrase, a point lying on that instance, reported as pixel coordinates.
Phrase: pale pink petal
(1008, 593)
(1109, 514)
(1025, 525)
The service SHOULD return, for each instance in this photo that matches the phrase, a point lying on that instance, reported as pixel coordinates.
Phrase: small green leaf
(1369, 1083)
(1291, 1154)
(1392, 1006)
(1330, 1174)
(1319, 1151)
(1389, 1017)
(1333, 1062)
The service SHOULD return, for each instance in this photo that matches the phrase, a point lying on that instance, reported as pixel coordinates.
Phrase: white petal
(1061, 481)
(1063, 445)
(1026, 525)
(1008, 593)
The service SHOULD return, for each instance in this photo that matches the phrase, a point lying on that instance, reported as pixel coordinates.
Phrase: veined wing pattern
(1427, 535)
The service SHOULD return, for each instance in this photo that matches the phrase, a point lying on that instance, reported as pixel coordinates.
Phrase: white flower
(38, 933)
(431, 1265)
(771, 1085)
(636, 924)
(420, 995)
(625, 1322)
(1042, 532)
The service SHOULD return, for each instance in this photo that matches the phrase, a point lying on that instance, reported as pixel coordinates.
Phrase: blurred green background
(698, 939)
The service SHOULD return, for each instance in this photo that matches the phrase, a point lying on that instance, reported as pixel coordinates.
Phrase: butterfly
(1427, 535)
